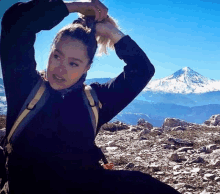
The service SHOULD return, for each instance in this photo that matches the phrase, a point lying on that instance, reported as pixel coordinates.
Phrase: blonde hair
(105, 42)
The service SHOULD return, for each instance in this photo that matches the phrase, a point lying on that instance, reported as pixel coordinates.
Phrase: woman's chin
(57, 86)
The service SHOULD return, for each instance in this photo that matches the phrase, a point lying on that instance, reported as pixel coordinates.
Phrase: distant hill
(156, 113)
(99, 80)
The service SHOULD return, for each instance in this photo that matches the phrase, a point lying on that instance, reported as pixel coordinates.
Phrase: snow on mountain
(183, 81)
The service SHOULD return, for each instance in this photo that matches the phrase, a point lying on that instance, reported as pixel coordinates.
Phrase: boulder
(116, 126)
(184, 149)
(176, 157)
(129, 165)
(195, 160)
(157, 130)
(136, 128)
(145, 124)
(209, 176)
(178, 128)
(180, 142)
(214, 120)
(173, 122)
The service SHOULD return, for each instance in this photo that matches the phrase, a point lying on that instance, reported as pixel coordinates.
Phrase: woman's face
(67, 63)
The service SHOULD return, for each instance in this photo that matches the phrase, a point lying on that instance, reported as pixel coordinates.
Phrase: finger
(103, 9)
(97, 14)
(102, 13)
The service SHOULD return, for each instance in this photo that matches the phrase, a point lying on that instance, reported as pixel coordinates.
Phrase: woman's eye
(56, 56)
(74, 64)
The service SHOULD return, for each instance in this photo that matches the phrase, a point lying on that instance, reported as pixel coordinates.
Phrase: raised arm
(118, 93)
(20, 24)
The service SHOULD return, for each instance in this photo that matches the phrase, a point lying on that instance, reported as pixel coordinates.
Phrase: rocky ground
(184, 155)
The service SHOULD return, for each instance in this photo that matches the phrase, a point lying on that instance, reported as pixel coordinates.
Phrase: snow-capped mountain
(183, 81)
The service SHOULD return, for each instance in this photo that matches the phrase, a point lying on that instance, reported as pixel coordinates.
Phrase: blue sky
(174, 34)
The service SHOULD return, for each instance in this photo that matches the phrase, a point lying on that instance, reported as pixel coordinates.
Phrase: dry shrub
(113, 127)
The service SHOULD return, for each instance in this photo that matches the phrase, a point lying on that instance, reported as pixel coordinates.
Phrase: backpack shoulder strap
(37, 94)
(94, 103)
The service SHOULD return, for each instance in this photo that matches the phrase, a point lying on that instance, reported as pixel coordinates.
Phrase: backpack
(35, 101)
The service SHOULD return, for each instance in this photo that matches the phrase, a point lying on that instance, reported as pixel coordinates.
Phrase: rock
(145, 124)
(204, 149)
(207, 123)
(176, 173)
(205, 192)
(164, 156)
(143, 138)
(141, 121)
(173, 122)
(154, 167)
(211, 147)
(129, 165)
(197, 160)
(184, 149)
(214, 120)
(177, 167)
(178, 128)
(214, 163)
(166, 146)
(209, 176)
(116, 126)
(217, 179)
(138, 158)
(111, 149)
(160, 173)
(136, 128)
(179, 185)
(196, 170)
(145, 132)
(208, 148)
(157, 130)
(180, 142)
(176, 157)
(189, 186)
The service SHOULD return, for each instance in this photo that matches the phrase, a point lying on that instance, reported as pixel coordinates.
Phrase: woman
(55, 153)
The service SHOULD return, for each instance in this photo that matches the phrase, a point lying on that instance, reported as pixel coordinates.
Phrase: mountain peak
(184, 80)
(187, 69)
(185, 72)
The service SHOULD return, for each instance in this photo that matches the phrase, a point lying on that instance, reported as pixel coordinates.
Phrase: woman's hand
(109, 30)
(93, 8)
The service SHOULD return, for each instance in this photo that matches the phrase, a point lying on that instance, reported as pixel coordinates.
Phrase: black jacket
(62, 131)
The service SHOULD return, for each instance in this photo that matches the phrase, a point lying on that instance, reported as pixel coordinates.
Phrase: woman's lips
(57, 78)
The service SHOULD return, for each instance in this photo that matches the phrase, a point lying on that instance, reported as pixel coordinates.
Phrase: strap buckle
(30, 108)
(95, 104)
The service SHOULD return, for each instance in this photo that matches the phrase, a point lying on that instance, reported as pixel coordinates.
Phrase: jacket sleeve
(120, 91)
(20, 24)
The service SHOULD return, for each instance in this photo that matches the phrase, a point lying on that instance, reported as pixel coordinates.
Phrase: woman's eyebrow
(69, 57)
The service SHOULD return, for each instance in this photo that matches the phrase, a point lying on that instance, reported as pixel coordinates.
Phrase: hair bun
(80, 21)
(86, 21)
